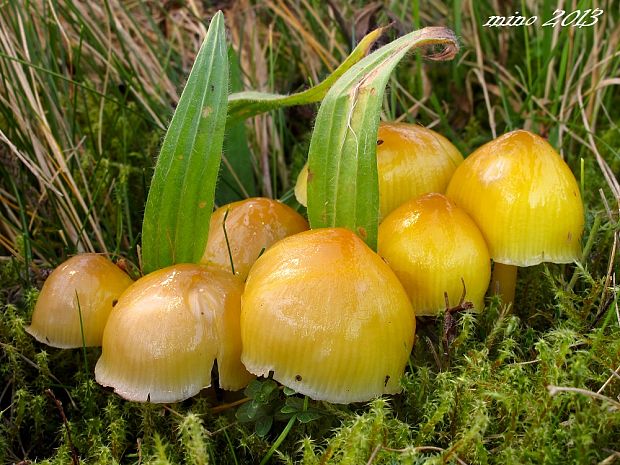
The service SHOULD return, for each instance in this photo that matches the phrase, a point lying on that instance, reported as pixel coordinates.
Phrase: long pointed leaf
(236, 172)
(342, 178)
(180, 200)
(242, 105)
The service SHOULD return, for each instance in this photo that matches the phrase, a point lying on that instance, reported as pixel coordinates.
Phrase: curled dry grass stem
(614, 374)
(554, 390)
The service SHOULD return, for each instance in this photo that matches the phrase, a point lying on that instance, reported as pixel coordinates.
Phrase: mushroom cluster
(318, 310)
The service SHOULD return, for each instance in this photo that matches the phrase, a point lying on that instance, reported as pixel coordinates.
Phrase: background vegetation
(86, 91)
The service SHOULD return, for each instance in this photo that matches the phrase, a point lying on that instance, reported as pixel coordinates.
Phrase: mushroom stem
(504, 281)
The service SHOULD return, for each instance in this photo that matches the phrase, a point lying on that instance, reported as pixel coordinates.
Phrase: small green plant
(269, 403)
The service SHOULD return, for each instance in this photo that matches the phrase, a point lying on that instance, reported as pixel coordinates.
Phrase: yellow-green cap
(328, 317)
(86, 286)
(524, 198)
(433, 247)
(411, 160)
(167, 330)
(251, 225)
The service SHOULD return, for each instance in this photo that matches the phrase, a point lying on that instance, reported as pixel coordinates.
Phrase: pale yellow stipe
(167, 330)
(432, 245)
(328, 317)
(524, 199)
(88, 279)
(504, 281)
(411, 160)
(251, 225)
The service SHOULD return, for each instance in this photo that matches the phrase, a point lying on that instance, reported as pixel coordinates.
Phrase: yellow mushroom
(525, 200)
(325, 315)
(76, 300)
(411, 160)
(167, 330)
(251, 225)
(434, 247)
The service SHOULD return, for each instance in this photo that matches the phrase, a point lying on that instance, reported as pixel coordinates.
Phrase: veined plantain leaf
(180, 200)
(243, 105)
(342, 178)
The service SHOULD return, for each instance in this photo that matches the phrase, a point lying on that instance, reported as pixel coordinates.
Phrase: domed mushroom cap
(328, 317)
(251, 225)
(167, 330)
(411, 160)
(524, 198)
(90, 280)
(432, 245)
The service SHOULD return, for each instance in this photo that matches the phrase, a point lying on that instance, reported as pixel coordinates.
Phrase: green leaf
(242, 105)
(253, 389)
(247, 412)
(342, 178)
(180, 200)
(288, 391)
(308, 416)
(263, 425)
(236, 173)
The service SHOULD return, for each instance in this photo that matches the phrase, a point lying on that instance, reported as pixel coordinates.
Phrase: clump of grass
(80, 127)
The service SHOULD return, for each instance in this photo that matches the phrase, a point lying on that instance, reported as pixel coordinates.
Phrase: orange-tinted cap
(411, 160)
(88, 284)
(328, 317)
(167, 330)
(251, 225)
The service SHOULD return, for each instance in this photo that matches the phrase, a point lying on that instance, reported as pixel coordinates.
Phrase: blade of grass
(180, 200)
(237, 175)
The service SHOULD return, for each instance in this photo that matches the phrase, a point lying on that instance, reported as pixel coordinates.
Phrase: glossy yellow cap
(93, 281)
(524, 198)
(167, 330)
(411, 160)
(431, 245)
(328, 317)
(251, 225)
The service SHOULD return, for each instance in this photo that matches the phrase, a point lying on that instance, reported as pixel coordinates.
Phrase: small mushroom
(325, 315)
(252, 225)
(76, 300)
(411, 160)
(434, 247)
(167, 330)
(525, 200)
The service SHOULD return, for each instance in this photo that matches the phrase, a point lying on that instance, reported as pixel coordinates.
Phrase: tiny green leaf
(307, 417)
(242, 105)
(253, 389)
(342, 178)
(180, 200)
(288, 391)
(263, 425)
(247, 412)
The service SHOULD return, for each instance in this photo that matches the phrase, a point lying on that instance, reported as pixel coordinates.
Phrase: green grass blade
(242, 105)
(236, 174)
(342, 181)
(180, 200)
